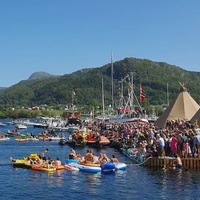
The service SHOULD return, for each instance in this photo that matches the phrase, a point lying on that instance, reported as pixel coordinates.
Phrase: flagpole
(141, 103)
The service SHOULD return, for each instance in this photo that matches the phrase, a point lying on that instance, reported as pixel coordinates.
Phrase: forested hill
(40, 75)
(87, 84)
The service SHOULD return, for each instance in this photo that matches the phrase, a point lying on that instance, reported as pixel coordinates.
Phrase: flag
(142, 94)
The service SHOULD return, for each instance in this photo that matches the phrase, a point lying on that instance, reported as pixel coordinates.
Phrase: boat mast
(112, 79)
(133, 93)
(167, 94)
(103, 106)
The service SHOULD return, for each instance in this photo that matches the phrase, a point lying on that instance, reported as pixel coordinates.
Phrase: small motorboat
(62, 141)
(4, 139)
(20, 126)
(54, 138)
(13, 133)
(2, 124)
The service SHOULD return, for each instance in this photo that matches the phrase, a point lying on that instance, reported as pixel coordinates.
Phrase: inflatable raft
(22, 163)
(44, 169)
(108, 167)
(60, 167)
(25, 162)
(111, 167)
(84, 167)
(95, 168)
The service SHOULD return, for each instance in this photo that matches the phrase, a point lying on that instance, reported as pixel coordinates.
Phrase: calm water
(136, 182)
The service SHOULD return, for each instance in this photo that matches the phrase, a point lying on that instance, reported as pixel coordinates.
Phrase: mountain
(87, 84)
(2, 89)
(40, 76)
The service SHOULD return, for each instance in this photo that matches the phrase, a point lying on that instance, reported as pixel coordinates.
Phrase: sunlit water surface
(136, 182)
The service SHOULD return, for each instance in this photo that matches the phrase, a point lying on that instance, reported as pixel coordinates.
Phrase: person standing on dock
(160, 145)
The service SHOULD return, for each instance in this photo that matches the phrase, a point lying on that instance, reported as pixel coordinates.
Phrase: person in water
(72, 154)
(89, 157)
(57, 163)
(178, 162)
(114, 159)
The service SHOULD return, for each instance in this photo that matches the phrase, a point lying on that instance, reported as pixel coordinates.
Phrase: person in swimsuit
(178, 163)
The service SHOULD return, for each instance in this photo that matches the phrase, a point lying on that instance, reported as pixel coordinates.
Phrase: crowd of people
(179, 138)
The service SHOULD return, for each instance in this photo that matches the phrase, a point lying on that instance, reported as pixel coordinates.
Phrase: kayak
(44, 169)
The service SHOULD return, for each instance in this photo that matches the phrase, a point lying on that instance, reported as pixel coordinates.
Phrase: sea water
(136, 182)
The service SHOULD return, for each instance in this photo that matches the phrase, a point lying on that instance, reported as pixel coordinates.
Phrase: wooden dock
(191, 163)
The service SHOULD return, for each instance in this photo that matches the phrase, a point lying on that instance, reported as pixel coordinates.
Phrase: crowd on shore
(178, 137)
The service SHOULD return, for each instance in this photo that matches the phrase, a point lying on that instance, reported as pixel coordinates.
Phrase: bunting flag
(142, 94)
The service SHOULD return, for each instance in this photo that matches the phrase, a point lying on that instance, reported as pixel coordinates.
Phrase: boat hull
(4, 139)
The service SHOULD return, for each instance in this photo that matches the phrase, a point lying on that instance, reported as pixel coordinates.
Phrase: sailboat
(126, 109)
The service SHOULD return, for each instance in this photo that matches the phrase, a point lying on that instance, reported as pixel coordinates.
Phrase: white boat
(4, 139)
(21, 126)
(27, 122)
(2, 124)
(124, 119)
(54, 138)
(33, 139)
(126, 112)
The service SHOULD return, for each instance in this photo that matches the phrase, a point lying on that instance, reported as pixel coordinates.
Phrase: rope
(142, 162)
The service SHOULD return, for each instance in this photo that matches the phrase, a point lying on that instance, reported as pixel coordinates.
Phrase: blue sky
(63, 36)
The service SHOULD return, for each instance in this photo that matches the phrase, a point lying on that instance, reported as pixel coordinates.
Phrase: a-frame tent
(196, 117)
(183, 107)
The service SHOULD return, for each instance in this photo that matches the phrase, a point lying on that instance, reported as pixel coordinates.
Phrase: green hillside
(87, 84)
